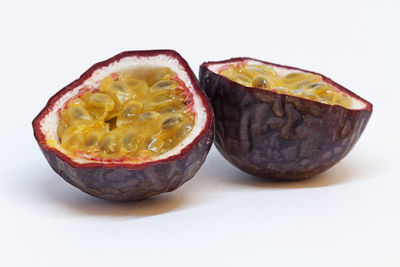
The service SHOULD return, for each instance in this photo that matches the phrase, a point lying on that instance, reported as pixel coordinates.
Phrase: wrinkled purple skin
(124, 181)
(123, 184)
(270, 135)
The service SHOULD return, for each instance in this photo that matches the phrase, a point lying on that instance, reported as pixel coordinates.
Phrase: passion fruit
(281, 122)
(132, 126)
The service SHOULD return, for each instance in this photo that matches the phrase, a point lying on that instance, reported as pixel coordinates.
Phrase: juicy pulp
(128, 118)
(296, 83)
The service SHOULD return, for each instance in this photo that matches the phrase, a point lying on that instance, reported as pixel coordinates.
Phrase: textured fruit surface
(301, 84)
(282, 136)
(110, 96)
(127, 118)
(124, 183)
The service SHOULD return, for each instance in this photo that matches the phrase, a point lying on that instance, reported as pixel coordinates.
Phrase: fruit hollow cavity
(295, 83)
(128, 118)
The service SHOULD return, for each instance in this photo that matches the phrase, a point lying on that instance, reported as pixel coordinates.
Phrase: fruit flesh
(274, 135)
(128, 118)
(295, 83)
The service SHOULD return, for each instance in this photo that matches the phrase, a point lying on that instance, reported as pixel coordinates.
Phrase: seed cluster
(128, 118)
(301, 84)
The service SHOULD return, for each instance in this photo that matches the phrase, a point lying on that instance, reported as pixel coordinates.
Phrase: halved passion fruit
(132, 126)
(281, 122)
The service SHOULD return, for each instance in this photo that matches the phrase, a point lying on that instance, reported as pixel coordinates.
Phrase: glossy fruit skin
(125, 182)
(278, 136)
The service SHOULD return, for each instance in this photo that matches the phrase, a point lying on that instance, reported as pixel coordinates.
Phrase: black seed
(164, 84)
(112, 123)
(91, 141)
(167, 110)
(170, 122)
(148, 116)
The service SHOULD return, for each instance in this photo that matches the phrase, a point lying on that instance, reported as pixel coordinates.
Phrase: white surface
(348, 216)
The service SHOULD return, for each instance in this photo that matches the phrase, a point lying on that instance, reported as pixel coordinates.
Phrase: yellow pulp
(127, 118)
(301, 84)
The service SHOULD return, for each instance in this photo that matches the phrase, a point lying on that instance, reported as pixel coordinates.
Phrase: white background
(347, 216)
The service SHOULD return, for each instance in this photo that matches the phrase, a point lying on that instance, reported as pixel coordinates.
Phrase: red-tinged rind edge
(125, 181)
(279, 136)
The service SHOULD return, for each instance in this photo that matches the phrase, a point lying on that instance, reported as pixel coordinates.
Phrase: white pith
(51, 120)
(355, 104)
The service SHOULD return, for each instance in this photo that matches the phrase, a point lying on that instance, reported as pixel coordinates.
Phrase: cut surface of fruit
(290, 82)
(281, 122)
(132, 126)
(113, 112)
(126, 118)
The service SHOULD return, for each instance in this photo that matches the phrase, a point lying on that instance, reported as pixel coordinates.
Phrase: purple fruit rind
(123, 184)
(122, 181)
(40, 136)
(272, 135)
